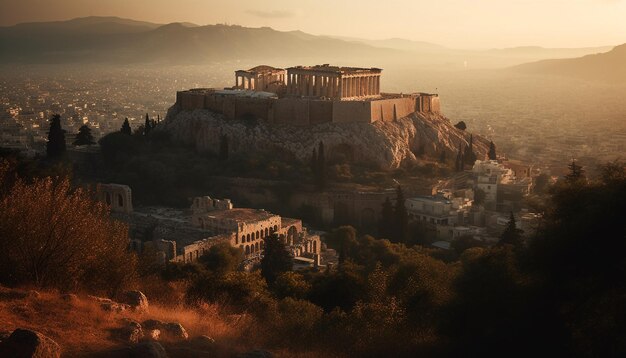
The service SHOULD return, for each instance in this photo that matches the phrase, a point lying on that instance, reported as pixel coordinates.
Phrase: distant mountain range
(605, 67)
(122, 41)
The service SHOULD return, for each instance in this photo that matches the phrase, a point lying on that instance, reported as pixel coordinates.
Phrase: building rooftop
(245, 93)
(336, 69)
(262, 69)
(434, 199)
(241, 214)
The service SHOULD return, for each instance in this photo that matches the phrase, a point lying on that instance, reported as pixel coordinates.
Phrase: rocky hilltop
(388, 145)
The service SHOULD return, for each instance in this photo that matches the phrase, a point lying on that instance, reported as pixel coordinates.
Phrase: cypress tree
(84, 136)
(442, 156)
(470, 156)
(126, 127)
(276, 259)
(321, 166)
(576, 172)
(387, 221)
(511, 234)
(492, 151)
(148, 125)
(56, 138)
(401, 217)
(313, 163)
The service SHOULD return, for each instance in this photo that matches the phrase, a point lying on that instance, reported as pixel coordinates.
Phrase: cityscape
(300, 183)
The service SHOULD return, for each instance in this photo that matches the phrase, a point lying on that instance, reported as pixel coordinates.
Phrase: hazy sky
(454, 23)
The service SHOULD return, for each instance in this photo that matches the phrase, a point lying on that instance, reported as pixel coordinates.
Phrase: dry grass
(82, 328)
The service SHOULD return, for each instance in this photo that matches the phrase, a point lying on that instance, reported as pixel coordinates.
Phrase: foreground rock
(131, 332)
(23, 343)
(386, 144)
(136, 300)
(109, 305)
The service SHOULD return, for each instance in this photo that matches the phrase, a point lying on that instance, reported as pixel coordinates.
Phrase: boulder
(153, 324)
(152, 334)
(109, 305)
(175, 331)
(148, 350)
(136, 300)
(204, 341)
(24, 343)
(132, 332)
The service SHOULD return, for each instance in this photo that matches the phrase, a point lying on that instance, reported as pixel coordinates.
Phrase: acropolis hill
(296, 108)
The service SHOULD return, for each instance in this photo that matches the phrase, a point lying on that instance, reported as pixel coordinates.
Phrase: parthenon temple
(260, 78)
(321, 81)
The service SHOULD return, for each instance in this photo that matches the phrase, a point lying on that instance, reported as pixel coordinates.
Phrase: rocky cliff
(388, 145)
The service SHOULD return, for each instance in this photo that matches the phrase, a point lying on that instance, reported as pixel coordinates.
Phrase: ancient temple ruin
(333, 82)
(306, 95)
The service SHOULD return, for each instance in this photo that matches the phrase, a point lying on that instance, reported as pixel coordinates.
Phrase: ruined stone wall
(298, 111)
(320, 111)
(193, 251)
(393, 108)
(352, 111)
(291, 111)
(116, 196)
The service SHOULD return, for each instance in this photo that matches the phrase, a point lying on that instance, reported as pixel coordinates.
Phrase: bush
(53, 236)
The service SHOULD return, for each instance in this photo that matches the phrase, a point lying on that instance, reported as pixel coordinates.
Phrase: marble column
(340, 85)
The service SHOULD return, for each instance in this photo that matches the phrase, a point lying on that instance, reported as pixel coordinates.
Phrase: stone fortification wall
(298, 111)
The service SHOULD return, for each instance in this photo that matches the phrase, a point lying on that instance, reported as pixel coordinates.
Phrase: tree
(222, 258)
(84, 136)
(470, 156)
(126, 127)
(401, 215)
(56, 138)
(385, 228)
(511, 234)
(313, 163)
(576, 172)
(459, 164)
(541, 183)
(321, 166)
(148, 125)
(276, 259)
(479, 197)
(54, 236)
(442, 156)
(492, 151)
(223, 147)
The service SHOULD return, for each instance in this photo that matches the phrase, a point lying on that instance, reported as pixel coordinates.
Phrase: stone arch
(248, 238)
(258, 235)
(292, 234)
(315, 247)
(256, 247)
(243, 238)
(120, 200)
(262, 244)
(266, 231)
(247, 249)
(275, 228)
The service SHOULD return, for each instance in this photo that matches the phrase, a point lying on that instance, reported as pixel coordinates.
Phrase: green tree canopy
(56, 138)
(126, 127)
(84, 136)
(276, 259)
